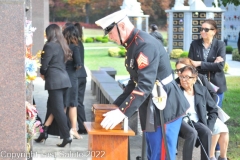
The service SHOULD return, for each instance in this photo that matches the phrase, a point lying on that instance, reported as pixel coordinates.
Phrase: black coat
(53, 67)
(146, 60)
(205, 106)
(217, 75)
(81, 72)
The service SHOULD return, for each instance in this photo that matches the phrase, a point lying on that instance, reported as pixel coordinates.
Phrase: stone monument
(135, 14)
(12, 89)
(40, 20)
(184, 23)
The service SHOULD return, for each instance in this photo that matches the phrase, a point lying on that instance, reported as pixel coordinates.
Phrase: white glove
(112, 118)
(160, 102)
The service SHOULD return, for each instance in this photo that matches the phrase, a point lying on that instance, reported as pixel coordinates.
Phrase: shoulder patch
(142, 61)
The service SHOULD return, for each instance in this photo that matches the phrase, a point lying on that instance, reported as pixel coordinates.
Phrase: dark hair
(71, 35)
(154, 27)
(190, 68)
(212, 23)
(80, 31)
(54, 34)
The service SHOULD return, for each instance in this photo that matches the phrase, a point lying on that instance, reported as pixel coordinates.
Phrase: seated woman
(201, 105)
(220, 130)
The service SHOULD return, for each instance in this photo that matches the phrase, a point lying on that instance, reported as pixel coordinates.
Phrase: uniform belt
(167, 80)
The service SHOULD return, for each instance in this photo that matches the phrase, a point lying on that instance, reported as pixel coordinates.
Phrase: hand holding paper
(112, 118)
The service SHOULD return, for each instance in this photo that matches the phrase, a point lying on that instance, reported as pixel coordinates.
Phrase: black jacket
(157, 35)
(217, 75)
(53, 67)
(81, 72)
(146, 60)
(205, 106)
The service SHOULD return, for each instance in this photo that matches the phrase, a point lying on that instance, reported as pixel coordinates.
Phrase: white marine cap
(107, 23)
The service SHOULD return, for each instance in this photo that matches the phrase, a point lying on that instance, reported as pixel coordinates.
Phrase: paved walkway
(49, 150)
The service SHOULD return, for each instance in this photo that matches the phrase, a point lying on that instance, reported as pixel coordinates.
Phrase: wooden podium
(107, 144)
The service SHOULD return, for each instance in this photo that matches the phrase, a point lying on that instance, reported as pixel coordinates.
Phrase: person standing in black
(82, 80)
(71, 35)
(53, 70)
(155, 33)
(238, 43)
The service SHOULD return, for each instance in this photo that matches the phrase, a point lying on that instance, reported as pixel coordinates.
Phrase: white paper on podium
(125, 124)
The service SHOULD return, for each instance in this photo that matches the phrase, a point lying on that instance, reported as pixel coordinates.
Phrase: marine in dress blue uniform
(146, 61)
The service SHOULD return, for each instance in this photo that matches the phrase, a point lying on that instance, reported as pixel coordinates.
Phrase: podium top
(93, 131)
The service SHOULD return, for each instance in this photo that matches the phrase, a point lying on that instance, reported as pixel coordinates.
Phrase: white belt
(167, 80)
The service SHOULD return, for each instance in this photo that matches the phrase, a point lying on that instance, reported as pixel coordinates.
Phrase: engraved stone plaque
(180, 15)
(174, 36)
(180, 36)
(201, 22)
(180, 44)
(202, 15)
(195, 23)
(194, 36)
(195, 15)
(175, 22)
(175, 29)
(175, 44)
(180, 29)
(175, 15)
(195, 30)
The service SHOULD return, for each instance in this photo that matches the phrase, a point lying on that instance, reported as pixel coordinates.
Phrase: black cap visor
(109, 28)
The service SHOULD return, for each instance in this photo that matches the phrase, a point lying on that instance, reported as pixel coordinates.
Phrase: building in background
(231, 22)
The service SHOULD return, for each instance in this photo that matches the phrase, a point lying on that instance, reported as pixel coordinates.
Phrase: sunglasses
(205, 29)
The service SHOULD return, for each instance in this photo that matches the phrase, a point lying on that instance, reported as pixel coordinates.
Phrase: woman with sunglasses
(220, 131)
(208, 55)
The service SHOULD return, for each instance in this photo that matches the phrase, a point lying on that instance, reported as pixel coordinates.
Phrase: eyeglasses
(205, 29)
(185, 77)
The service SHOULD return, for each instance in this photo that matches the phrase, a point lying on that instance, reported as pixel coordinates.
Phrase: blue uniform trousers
(155, 145)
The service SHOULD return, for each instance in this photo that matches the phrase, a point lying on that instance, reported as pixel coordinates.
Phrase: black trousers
(190, 135)
(55, 105)
(81, 117)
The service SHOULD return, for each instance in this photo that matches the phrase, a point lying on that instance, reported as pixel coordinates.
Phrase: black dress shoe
(82, 131)
(43, 136)
(65, 142)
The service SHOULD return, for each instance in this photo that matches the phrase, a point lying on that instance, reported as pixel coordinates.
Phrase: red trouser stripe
(163, 149)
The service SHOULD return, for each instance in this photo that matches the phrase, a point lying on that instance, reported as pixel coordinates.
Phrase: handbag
(222, 115)
(213, 85)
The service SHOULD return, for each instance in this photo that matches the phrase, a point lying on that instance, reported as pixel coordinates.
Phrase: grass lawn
(231, 105)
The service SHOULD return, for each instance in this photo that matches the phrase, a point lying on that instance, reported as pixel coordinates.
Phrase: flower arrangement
(31, 62)
(32, 126)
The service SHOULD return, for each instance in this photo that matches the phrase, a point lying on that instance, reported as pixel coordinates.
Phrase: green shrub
(89, 40)
(235, 55)
(176, 53)
(99, 39)
(165, 42)
(184, 54)
(105, 37)
(104, 41)
(229, 49)
(226, 67)
(122, 51)
(113, 51)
